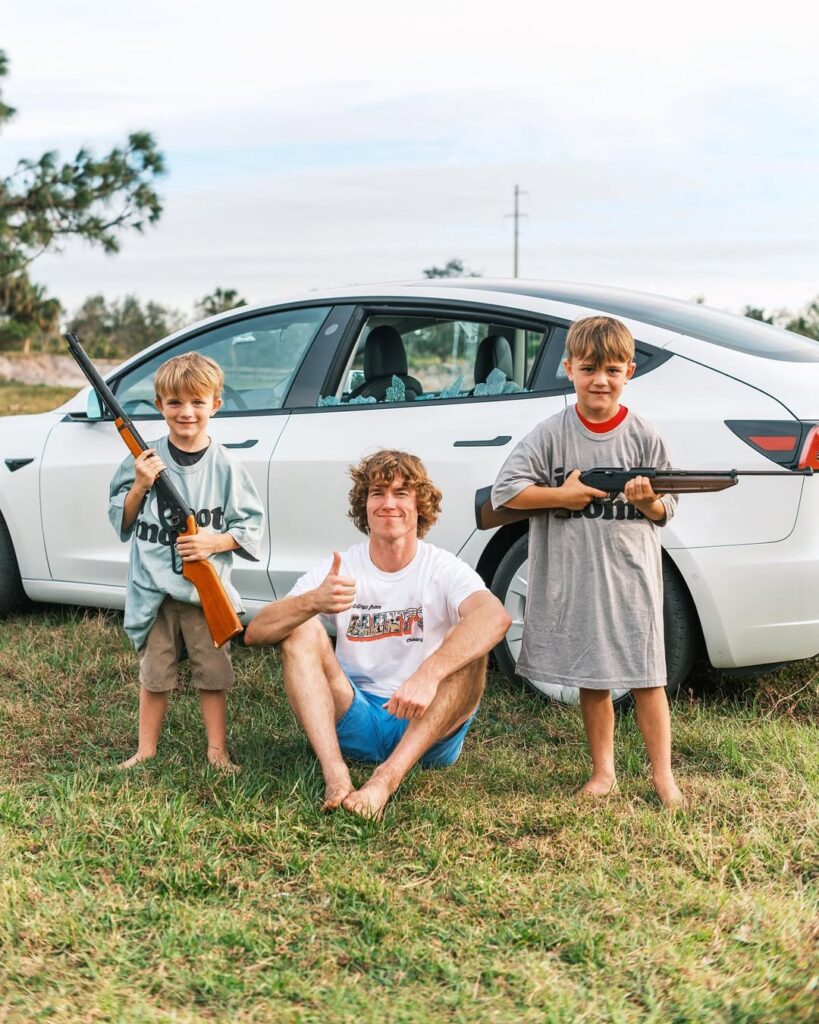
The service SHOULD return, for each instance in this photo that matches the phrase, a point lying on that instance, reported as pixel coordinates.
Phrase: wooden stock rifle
(614, 479)
(222, 620)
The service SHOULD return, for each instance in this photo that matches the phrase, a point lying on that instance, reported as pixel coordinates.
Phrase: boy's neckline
(607, 425)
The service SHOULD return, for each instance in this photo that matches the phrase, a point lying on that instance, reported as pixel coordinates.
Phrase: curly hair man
(413, 626)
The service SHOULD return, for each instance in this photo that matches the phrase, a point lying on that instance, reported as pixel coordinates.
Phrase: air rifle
(614, 479)
(222, 620)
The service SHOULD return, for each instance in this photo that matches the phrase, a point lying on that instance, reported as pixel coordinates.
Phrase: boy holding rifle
(594, 608)
(162, 609)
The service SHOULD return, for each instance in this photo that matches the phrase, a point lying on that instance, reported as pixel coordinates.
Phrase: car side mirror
(93, 408)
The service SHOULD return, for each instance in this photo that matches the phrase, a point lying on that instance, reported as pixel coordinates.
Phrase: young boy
(162, 608)
(594, 609)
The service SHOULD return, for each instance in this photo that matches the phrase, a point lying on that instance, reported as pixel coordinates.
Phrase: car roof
(730, 330)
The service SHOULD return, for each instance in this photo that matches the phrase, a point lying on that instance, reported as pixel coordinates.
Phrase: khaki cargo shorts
(211, 668)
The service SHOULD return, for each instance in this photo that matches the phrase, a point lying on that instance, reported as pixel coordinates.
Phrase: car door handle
(484, 442)
(241, 444)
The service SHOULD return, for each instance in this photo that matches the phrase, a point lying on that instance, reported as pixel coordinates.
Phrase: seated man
(413, 624)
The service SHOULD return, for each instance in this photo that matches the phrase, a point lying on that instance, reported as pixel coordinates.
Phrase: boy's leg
(654, 721)
(598, 721)
(152, 708)
(214, 714)
(457, 700)
(319, 694)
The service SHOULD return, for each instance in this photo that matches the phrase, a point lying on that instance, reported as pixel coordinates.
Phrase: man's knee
(310, 635)
(470, 681)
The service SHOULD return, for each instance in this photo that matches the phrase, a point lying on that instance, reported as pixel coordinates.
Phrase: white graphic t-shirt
(399, 618)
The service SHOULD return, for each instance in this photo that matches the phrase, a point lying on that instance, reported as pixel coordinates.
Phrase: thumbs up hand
(335, 593)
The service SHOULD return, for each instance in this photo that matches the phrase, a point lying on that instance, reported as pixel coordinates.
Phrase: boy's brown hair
(189, 374)
(601, 339)
(381, 469)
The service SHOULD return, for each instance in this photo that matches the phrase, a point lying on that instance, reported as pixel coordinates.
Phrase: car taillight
(790, 443)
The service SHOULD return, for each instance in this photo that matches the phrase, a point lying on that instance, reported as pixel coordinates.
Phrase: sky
(667, 148)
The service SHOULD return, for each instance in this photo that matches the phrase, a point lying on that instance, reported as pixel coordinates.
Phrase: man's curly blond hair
(380, 470)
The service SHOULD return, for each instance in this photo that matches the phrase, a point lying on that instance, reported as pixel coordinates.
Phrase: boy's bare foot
(218, 758)
(335, 790)
(669, 793)
(369, 801)
(138, 758)
(599, 786)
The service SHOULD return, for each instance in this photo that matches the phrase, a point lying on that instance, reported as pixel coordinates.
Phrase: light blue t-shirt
(224, 500)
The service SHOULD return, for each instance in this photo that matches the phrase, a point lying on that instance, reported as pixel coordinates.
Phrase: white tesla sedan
(456, 372)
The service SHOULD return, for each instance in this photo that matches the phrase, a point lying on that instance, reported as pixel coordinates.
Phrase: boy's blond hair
(189, 374)
(601, 339)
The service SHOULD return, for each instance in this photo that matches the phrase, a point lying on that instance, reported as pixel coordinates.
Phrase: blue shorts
(366, 732)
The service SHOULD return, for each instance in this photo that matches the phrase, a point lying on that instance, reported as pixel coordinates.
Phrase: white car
(314, 383)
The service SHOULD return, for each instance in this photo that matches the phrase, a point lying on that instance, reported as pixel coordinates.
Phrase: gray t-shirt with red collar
(594, 605)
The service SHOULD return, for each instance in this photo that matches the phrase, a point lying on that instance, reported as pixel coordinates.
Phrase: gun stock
(220, 615)
(487, 517)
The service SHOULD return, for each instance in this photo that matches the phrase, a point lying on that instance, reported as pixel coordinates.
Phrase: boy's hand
(147, 467)
(575, 495)
(641, 494)
(199, 546)
(335, 593)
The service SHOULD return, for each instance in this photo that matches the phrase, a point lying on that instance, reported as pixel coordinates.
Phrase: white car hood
(794, 384)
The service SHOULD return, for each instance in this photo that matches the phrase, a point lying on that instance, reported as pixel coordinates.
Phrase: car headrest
(494, 352)
(384, 353)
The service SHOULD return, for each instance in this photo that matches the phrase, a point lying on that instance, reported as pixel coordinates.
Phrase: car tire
(680, 624)
(11, 587)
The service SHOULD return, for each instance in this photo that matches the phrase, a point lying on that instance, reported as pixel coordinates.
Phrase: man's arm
(276, 621)
(483, 624)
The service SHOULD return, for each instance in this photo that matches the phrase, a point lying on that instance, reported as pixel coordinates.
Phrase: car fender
(23, 438)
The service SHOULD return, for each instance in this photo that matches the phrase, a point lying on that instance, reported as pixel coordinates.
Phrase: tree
(219, 301)
(125, 326)
(44, 202)
(453, 268)
(805, 322)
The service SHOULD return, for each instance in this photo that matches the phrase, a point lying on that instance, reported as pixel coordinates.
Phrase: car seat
(494, 353)
(384, 358)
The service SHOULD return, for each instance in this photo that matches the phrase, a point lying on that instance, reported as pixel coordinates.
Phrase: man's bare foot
(138, 758)
(218, 758)
(369, 801)
(599, 786)
(669, 793)
(335, 790)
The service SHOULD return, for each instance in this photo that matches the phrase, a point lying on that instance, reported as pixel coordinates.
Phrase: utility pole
(516, 217)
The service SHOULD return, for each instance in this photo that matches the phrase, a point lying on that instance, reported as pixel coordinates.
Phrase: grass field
(175, 894)
(16, 398)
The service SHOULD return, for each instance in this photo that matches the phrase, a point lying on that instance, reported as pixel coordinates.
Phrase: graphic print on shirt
(368, 624)
(601, 508)
(152, 533)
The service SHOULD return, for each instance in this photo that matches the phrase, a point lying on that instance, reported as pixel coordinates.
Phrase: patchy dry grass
(17, 398)
(175, 894)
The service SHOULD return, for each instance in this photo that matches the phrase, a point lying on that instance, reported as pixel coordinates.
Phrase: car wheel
(679, 621)
(11, 589)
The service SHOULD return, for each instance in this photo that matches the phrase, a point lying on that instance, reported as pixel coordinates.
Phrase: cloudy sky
(670, 148)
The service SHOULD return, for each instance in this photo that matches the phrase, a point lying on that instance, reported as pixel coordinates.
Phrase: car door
(462, 429)
(260, 355)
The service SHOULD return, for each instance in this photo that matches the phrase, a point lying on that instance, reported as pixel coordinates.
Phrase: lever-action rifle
(614, 479)
(222, 620)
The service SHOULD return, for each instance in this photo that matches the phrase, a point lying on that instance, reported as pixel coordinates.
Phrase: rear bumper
(759, 603)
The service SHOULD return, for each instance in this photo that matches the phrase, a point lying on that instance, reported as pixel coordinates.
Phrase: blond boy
(162, 610)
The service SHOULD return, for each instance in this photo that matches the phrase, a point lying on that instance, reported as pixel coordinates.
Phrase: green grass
(175, 894)
(17, 398)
